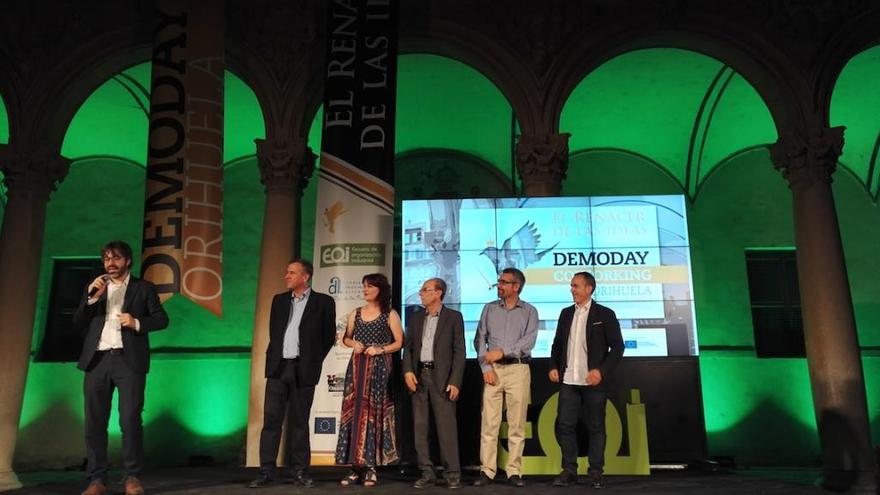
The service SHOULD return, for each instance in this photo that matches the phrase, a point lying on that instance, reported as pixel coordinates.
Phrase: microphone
(92, 292)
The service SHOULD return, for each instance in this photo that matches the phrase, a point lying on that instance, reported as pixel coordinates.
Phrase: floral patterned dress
(366, 431)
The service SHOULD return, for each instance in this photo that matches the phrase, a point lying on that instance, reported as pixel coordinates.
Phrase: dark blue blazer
(317, 333)
(604, 341)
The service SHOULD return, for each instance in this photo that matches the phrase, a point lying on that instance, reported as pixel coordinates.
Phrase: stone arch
(494, 61)
(684, 110)
(62, 91)
(589, 174)
(854, 104)
(113, 120)
(851, 38)
(782, 89)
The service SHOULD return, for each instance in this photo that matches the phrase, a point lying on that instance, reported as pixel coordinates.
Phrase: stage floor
(228, 481)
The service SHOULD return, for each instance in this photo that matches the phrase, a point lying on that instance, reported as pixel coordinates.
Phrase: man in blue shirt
(302, 330)
(505, 337)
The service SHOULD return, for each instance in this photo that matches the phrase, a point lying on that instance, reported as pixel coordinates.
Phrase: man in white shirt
(586, 350)
(116, 313)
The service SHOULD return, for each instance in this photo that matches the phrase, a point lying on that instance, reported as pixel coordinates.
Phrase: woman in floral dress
(366, 432)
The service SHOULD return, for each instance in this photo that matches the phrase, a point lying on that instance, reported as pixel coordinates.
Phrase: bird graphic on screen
(519, 250)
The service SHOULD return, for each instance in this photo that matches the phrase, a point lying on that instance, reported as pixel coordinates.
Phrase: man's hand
(100, 285)
(452, 390)
(490, 378)
(493, 355)
(126, 320)
(411, 381)
(594, 377)
(357, 346)
(554, 376)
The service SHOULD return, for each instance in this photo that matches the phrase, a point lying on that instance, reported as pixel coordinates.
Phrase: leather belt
(522, 360)
(426, 365)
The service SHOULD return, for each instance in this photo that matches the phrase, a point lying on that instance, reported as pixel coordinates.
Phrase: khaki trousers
(511, 392)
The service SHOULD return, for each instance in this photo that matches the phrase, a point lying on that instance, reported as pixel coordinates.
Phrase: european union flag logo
(630, 344)
(325, 426)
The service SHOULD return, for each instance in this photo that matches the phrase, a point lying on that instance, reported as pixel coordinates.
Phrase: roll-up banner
(355, 206)
(183, 211)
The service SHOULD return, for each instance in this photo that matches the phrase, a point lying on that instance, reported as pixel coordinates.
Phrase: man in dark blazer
(302, 330)
(433, 366)
(587, 348)
(116, 313)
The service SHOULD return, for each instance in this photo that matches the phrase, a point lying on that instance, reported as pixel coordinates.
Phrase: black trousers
(286, 395)
(107, 373)
(426, 396)
(572, 401)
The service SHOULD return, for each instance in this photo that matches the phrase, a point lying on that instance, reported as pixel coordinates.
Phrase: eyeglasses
(427, 289)
(501, 281)
(113, 258)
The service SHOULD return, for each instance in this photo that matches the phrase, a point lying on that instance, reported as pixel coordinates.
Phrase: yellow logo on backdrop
(549, 463)
(332, 213)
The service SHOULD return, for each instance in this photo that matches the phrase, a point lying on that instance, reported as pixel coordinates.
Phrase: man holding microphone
(116, 313)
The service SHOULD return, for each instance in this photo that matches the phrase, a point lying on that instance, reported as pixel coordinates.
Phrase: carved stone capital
(807, 156)
(542, 158)
(33, 175)
(285, 165)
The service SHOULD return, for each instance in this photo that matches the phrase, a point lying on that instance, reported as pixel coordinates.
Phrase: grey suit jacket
(449, 353)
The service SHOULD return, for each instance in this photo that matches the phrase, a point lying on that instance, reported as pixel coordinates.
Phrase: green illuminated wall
(660, 121)
(680, 109)
(855, 104)
(113, 120)
(638, 128)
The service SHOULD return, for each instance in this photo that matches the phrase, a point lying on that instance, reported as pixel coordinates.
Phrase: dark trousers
(285, 395)
(572, 401)
(107, 373)
(429, 395)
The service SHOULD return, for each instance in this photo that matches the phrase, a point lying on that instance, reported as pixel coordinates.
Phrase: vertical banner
(183, 211)
(355, 208)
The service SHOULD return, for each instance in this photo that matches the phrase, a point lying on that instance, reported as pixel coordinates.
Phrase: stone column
(285, 168)
(29, 179)
(807, 159)
(542, 161)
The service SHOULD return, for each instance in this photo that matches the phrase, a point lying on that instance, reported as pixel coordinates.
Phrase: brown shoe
(133, 486)
(96, 487)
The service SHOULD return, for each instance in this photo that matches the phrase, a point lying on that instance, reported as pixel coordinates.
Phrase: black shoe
(483, 480)
(453, 482)
(428, 479)
(263, 481)
(302, 478)
(516, 480)
(565, 478)
(597, 481)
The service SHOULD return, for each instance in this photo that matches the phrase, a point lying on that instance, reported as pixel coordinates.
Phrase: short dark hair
(589, 278)
(439, 284)
(120, 248)
(380, 282)
(307, 265)
(518, 275)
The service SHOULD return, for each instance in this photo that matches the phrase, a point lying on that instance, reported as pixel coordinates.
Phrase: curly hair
(380, 282)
